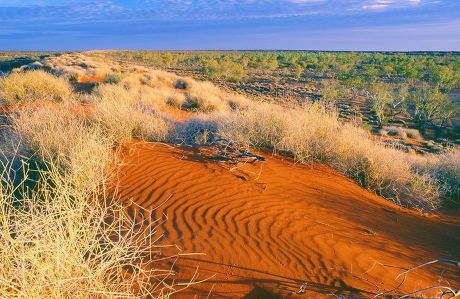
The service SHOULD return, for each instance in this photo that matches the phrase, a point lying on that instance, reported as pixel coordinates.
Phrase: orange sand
(269, 228)
(91, 79)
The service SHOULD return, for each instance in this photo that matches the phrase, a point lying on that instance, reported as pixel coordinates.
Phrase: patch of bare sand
(273, 229)
(90, 79)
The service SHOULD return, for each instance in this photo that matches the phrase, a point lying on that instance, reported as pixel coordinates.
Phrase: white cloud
(387, 4)
(192, 9)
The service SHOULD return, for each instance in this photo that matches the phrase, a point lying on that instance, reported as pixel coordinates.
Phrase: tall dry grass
(122, 116)
(58, 137)
(21, 87)
(445, 168)
(58, 241)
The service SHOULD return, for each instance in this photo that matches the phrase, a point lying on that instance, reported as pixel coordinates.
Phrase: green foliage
(387, 100)
(354, 83)
(442, 76)
(431, 106)
(380, 97)
(437, 69)
(298, 71)
(113, 78)
(330, 92)
(227, 70)
(399, 100)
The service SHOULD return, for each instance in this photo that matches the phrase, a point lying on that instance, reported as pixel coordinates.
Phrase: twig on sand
(229, 152)
(447, 290)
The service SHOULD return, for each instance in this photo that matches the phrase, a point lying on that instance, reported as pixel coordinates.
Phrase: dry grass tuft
(176, 100)
(59, 241)
(61, 138)
(123, 116)
(445, 168)
(31, 86)
(403, 133)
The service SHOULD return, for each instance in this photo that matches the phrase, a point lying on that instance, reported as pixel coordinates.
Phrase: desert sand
(273, 229)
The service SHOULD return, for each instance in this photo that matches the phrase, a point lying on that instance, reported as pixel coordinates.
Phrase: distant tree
(370, 73)
(388, 70)
(398, 102)
(442, 76)
(245, 61)
(407, 71)
(430, 105)
(228, 70)
(330, 92)
(211, 68)
(168, 59)
(354, 83)
(298, 71)
(380, 97)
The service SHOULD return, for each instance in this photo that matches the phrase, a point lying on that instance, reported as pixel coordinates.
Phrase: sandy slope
(274, 228)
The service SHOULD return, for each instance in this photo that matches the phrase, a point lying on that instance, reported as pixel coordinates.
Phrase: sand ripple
(274, 229)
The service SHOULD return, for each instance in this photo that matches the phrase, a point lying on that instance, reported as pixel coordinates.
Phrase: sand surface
(273, 229)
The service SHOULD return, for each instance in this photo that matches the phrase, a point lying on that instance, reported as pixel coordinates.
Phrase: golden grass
(403, 133)
(62, 236)
(31, 86)
(123, 116)
(59, 137)
(58, 241)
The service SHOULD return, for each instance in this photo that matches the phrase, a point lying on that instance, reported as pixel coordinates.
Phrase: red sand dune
(273, 229)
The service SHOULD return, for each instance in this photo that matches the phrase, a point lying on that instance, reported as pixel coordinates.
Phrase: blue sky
(402, 25)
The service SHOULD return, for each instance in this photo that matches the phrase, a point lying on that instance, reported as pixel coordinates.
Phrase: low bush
(401, 132)
(228, 70)
(123, 116)
(113, 78)
(176, 100)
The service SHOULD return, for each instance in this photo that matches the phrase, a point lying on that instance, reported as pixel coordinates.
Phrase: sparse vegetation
(66, 237)
(380, 89)
(310, 133)
(133, 106)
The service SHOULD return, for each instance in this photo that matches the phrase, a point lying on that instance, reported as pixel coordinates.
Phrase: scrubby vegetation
(138, 105)
(12, 60)
(410, 90)
(63, 236)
